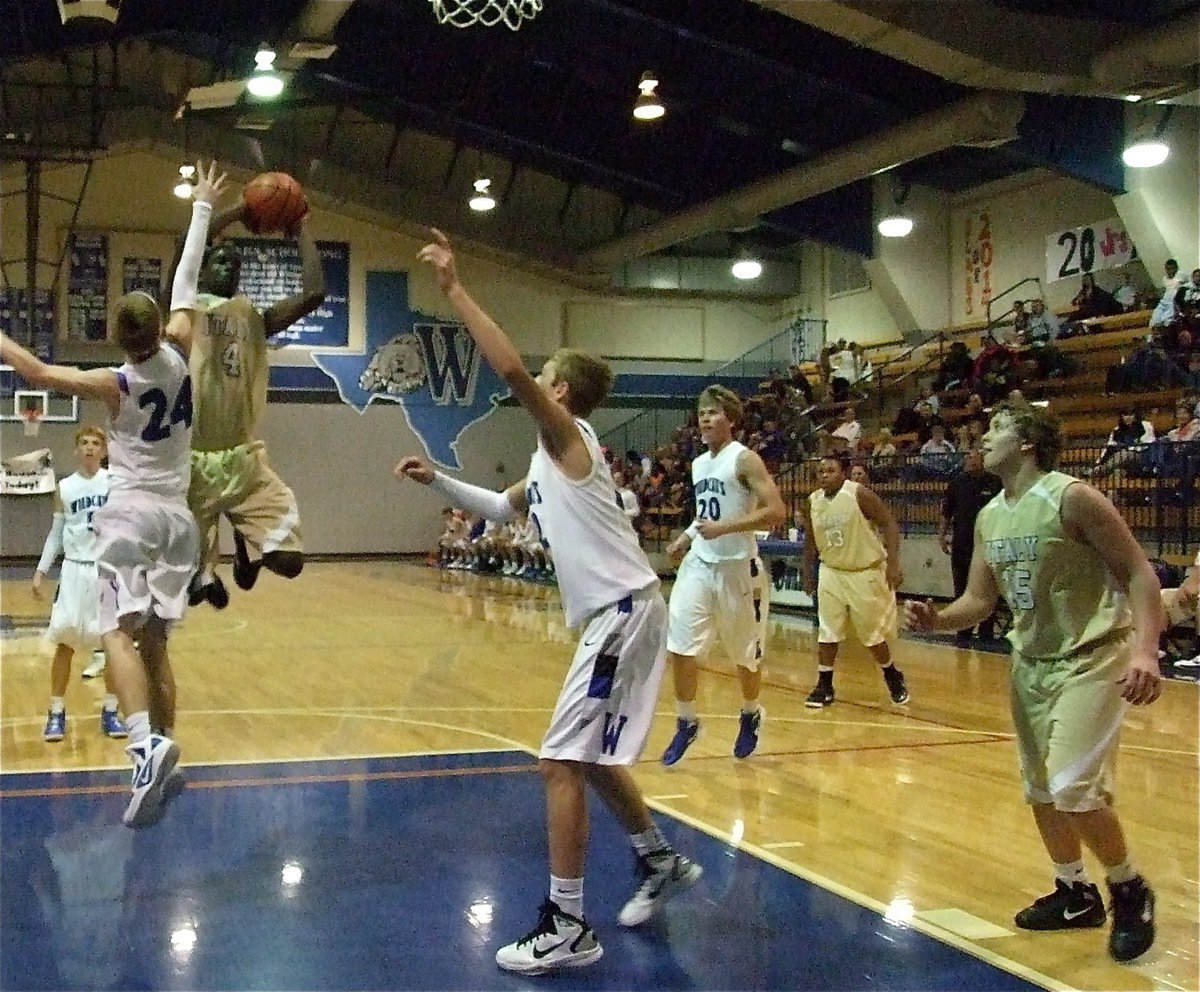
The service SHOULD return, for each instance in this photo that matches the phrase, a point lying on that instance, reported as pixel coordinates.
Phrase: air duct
(1153, 58)
(985, 116)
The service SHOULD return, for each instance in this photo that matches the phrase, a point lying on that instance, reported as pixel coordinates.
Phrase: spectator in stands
(1165, 312)
(974, 412)
(1043, 325)
(843, 371)
(1187, 303)
(1148, 369)
(849, 430)
(864, 369)
(1020, 321)
(1173, 455)
(628, 498)
(1191, 377)
(1126, 294)
(884, 446)
(860, 473)
(801, 384)
(1125, 444)
(956, 367)
(995, 371)
(1092, 301)
(938, 454)
(926, 421)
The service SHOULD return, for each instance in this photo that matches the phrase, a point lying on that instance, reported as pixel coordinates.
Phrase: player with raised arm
(229, 365)
(146, 538)
(606, 705)
(1087, 616)
(721, 589)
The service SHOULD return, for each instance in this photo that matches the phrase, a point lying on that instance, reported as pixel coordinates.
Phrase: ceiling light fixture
(1146, 148)
(1133, 98)
(183, 188)
(482, 199)
(746, 268)
(266, 83)
(648, 106)
(896, 226)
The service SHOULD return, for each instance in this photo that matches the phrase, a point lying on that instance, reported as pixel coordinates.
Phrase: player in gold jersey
(230, 473)
(859, 574)
(1086, 622)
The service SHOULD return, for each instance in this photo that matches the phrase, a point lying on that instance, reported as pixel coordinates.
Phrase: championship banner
(30, 474)
(1103, 245)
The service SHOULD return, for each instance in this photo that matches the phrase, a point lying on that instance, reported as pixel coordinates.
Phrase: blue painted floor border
(394, 873)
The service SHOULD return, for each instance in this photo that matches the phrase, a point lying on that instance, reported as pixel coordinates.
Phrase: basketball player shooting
(606, 705)
(230, 472)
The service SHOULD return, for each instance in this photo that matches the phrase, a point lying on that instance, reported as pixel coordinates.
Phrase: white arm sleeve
(53, 544)
(488, 503)
(184, 289)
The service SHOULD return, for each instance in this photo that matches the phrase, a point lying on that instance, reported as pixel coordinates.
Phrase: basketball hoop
(32, 418)
(465, 13)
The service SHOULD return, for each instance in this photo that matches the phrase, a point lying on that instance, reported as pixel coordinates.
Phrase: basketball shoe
(1133, 919)
(662, 876)
(1068, 907)
(559, 940)
(685, 733)
(111, 725)
(153, 761)
(56, 726)
(747, 738)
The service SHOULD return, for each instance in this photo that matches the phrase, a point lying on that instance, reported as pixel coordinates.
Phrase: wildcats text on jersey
(709, 486)
(1009, 549)
(91, 502)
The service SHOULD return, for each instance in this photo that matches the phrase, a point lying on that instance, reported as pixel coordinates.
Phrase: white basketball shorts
(862, 598)
(728, 600)
(75, 616)
(607, 702)
(146, 552)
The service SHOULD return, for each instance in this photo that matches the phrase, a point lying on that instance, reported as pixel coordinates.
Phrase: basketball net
(465, 13)
(32, 417)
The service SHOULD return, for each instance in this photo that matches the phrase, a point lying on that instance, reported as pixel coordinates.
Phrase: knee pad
(289, 564)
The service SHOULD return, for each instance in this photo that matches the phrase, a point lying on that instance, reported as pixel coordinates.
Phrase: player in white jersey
(607, 586)
(147, 543)
(721, 587)
(859, 543)
(75, 616)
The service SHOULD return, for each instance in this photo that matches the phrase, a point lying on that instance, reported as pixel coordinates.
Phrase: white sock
(1072, 873)
(567, 895)
(139, 726)
(1120, 873)
(649, 841)
(110, 703)
(750, 706)
(686, 709)
(57, 705)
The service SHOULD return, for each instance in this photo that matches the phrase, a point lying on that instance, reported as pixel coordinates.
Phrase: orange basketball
(274, 202)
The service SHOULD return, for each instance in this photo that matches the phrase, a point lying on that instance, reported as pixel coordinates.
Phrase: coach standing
(969, 492)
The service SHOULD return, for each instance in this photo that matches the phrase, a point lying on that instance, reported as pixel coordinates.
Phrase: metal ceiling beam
(986, 116)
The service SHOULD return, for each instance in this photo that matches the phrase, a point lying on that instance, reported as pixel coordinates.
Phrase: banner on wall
(428, 365)
(31, 474)
(979, 255)
(807, 339)
(271, 272)
(37, 334)
(87, 287)
(142, 274)
(1091, 248)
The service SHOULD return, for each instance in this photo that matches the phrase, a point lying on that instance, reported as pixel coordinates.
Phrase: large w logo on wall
(428, 365)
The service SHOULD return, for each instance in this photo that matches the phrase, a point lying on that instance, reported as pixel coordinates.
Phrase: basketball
(274, 202)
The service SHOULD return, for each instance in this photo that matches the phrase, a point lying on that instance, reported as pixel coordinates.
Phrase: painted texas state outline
(457, 388)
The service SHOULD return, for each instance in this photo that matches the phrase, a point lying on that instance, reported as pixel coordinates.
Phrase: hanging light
(648, 106)
(266, 82)
(896, 226)
(1147, 148)
(746, 268)
(183, 188)
(482, 199)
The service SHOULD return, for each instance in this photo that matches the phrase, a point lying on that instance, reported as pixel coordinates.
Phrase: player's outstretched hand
(440, 255)
(919, 616)
(209, 186)
(1142, 683)
(37, 586)
(413, 468)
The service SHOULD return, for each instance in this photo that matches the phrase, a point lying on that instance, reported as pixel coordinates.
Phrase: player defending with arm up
(1086, 621)
(606, 705)
(229, 366)
(146, 539)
